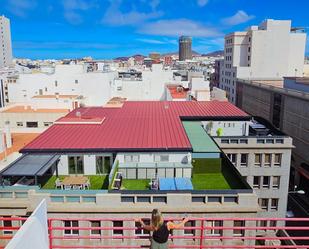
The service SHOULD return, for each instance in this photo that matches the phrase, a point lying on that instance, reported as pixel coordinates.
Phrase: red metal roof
(142, 125)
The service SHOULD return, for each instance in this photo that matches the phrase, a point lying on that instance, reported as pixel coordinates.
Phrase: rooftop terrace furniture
(117, 181)
(73, 181)
(58, 183)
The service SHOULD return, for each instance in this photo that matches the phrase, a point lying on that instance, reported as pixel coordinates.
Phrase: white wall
(270, 51)
(176, 157)
(151, 87)
(89, 163)
(95, 87)
(34, 232)
(229, 128)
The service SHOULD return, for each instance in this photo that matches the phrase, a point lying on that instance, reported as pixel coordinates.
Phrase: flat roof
(19, 141)
(199, 139)
(136, 126)
(29, 109)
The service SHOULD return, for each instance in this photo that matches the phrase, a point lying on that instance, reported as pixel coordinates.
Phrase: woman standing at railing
(160, 228)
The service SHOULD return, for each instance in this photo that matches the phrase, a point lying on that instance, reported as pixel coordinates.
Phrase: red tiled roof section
(137, 125)
(177, 92)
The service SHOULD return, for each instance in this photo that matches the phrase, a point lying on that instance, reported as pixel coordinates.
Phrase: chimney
(8, 136)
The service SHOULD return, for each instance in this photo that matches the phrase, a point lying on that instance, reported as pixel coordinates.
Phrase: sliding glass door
(76, 165)
(103, 165)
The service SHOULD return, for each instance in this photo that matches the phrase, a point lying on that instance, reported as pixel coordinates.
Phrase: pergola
(30, 165)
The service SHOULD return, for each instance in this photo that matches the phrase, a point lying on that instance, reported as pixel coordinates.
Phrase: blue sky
(110, 28)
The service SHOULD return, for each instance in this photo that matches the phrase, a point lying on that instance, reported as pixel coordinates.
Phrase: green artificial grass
(210, 181)
(138, 184)
(96, 182)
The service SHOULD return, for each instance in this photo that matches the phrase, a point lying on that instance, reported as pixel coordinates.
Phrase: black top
(161, 235)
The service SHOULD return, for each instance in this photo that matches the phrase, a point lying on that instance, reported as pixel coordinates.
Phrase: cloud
(177, 27)
(156, 41)
(29, 45)
(72, 9)
(239, 17)
(20, 8)
(202, 3)
(151, 41)
(115, 17)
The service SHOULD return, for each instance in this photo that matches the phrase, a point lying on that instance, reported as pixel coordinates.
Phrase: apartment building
(271, 50)
(140, 155)
(5, 42)
(263, 158)
(286, 107)
(95, 88)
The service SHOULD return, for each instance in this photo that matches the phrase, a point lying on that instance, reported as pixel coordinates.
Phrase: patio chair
(58, 183)
(87, 185)
(77, 187)
(67, 187)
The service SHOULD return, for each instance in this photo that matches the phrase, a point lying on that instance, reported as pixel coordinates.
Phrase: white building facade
(5, 42)
(271, 50)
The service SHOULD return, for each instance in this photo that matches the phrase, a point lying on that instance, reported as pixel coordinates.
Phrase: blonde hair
(156, 219)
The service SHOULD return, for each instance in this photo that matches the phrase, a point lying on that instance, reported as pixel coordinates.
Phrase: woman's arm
(172, 225)
(144, 226)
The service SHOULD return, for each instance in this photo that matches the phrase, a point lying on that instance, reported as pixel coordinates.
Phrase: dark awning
(30, 165)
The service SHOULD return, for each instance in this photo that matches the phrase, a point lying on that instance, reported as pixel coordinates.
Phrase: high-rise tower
(185, 48)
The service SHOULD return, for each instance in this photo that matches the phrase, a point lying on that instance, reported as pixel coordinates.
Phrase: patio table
(75, 181)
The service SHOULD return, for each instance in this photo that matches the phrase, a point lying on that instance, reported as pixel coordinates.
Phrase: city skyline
(108, 29)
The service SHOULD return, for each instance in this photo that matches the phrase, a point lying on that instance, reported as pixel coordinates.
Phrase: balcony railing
(202, 233)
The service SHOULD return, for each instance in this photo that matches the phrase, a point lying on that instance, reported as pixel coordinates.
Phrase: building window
(243, 160)
(263, 203)
(225, 141)
(239, 232)
(243, 141)
(140, 230)
(71, 224)
(32, 124)
(131, 158)
(103, 165)
(256, 181)
(95, 224)
(117, 224)
(274, 204)
(214, 223)
(266, 181)
(276, 182)
(190, 223)
(76, 81)
(46, 124)
(19, 124)
(258, 159)
(7, 223)
(56, 83)
(233, 158)
(76, 165)
(267, 161)
(161, 158)
(279, 141)
(278, 160)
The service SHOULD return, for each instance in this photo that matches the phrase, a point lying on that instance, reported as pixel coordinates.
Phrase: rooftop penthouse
(133, 157)
(138, 146)
(162, 144)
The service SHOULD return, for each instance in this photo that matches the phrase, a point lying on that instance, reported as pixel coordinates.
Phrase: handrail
(204, 234)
